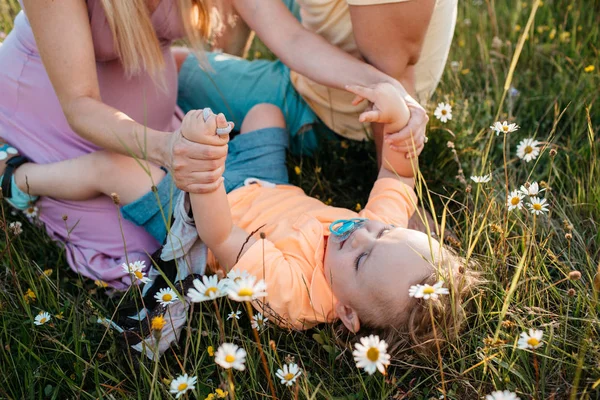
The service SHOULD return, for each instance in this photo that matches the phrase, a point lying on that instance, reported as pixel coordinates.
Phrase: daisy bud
(262, 235)
(571, 292)
(65, 217)
(568, 236)
(553, 152)
(574, 275)
(115, 198)
(450, 145)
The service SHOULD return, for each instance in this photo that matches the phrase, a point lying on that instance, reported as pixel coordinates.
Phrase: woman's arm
(64, 40)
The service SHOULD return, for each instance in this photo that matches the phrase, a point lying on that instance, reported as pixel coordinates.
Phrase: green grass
(526, 260)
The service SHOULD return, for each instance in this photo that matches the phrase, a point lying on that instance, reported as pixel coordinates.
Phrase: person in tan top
(407, 41)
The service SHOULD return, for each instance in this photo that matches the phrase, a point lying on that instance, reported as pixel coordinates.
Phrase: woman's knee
(263, 116)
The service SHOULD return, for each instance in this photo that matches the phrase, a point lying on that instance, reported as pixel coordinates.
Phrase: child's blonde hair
(134, 37)
(413, 329)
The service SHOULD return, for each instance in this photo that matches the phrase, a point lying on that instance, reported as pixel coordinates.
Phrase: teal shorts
(257, 154)
(234, 85)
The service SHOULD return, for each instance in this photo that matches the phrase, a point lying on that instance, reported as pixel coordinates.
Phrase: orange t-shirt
(296, 227)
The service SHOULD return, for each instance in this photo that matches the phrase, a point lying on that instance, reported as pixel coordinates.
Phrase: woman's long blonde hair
(134, 37)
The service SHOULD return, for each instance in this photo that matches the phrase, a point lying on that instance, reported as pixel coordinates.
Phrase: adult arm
(406, 22)
(64, 40)
(312, 56)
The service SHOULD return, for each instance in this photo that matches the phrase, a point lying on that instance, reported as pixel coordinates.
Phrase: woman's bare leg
(89, 176)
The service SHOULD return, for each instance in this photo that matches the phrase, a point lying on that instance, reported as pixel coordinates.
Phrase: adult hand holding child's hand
(389, 106)
(197, 153)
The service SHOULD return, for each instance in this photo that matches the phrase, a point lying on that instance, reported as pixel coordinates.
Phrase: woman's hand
(196, 167)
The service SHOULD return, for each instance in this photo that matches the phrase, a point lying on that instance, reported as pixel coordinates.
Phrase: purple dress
(31, 119)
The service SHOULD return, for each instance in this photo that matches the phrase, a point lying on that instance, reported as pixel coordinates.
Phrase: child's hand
(402, 115)
(202, 126)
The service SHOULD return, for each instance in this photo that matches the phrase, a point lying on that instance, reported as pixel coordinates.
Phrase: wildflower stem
(437, 345)
(220, 320)
(231, 384)
(536, 368)
(261, 352)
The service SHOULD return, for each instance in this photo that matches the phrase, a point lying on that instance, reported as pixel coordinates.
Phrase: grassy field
(548, 86)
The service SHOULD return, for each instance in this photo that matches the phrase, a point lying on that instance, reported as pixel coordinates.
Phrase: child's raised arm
(211, 210)
(394, 113)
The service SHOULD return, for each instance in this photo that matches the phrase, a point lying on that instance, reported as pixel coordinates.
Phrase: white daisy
(234, 314)
(443, 112)
(538, 206)
(532, 190)
(209, 289)
(289, 374)
(504, 127)
(427, 291)
(42, 318)
(246, 289)
(527, 150)
(231, 356)
(481, 179)
(16, 228)
(136, 270)
(514, 200)
(502, 395)
(31, 211)
(371, 354)
(533, 340)
(182, 384)
(235, 275)
(259, 321)
(166, 296)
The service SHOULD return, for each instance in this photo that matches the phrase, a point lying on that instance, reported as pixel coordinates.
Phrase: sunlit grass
(527, 261)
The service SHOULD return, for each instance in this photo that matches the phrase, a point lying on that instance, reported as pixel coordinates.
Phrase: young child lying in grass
(320, 263)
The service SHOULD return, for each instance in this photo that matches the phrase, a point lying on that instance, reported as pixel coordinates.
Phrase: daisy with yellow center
(289, 374)
(235, 276)
(136, 271)
(42, 318)
(247, 289)
(234, 314)
(504, 127)
(538, 206)
(31, 212)
(443, 112)
(259, 321)
(531, 340)
(371, 354)
(427, 291)
(166, 296)
(158, 323)
(528, 149)
(182, 384)
(208, 289)
(515, 200)
(231, 356)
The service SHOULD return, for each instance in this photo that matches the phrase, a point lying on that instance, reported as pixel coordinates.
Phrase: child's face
(377, 264)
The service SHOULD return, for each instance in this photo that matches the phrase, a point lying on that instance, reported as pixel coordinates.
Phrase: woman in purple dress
(79, 76)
